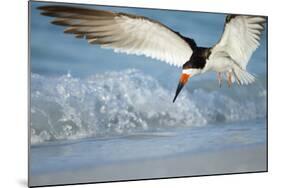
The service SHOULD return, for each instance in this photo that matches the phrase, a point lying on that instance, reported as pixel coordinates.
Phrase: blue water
(91, 107)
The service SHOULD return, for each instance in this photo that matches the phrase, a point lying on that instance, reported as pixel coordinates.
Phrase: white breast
(218, 62)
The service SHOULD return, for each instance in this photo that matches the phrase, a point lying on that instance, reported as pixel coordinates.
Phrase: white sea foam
(126, 102)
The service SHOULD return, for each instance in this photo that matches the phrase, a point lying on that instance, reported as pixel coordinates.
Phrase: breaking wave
(118, 103)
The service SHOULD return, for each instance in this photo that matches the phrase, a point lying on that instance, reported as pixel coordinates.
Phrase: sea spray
(122, 103)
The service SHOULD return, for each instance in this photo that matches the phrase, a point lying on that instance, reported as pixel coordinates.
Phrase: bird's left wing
(124, 33)
(241, 37)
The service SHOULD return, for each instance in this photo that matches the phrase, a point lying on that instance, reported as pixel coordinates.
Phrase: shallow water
(95, 152)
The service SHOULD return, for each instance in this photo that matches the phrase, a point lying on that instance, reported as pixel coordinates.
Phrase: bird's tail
(242, 76)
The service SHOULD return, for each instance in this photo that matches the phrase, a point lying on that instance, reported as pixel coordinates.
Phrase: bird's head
(186, 74)
(193, 67)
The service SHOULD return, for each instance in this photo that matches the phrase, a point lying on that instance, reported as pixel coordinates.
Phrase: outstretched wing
(124, 33)
(241, 37)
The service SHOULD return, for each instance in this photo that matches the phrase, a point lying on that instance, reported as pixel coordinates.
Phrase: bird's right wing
(124, 33)
(241, 37)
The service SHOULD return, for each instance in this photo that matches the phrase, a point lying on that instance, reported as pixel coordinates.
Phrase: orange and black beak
(183, 80)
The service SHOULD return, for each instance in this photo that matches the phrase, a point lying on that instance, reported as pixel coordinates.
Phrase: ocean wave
(118, 103)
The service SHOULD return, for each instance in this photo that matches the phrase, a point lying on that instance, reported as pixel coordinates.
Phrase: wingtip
(51, 7)
(39, 8)
(43, 7)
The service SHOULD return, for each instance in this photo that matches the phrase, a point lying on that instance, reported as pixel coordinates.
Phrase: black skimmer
(132, 34)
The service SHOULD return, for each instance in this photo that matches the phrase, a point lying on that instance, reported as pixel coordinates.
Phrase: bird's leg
(229, 81)
(219, 78)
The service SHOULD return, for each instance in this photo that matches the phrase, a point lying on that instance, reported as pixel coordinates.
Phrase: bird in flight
(139, 35)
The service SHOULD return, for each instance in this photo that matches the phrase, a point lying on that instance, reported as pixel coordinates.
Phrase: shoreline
(236, 160)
